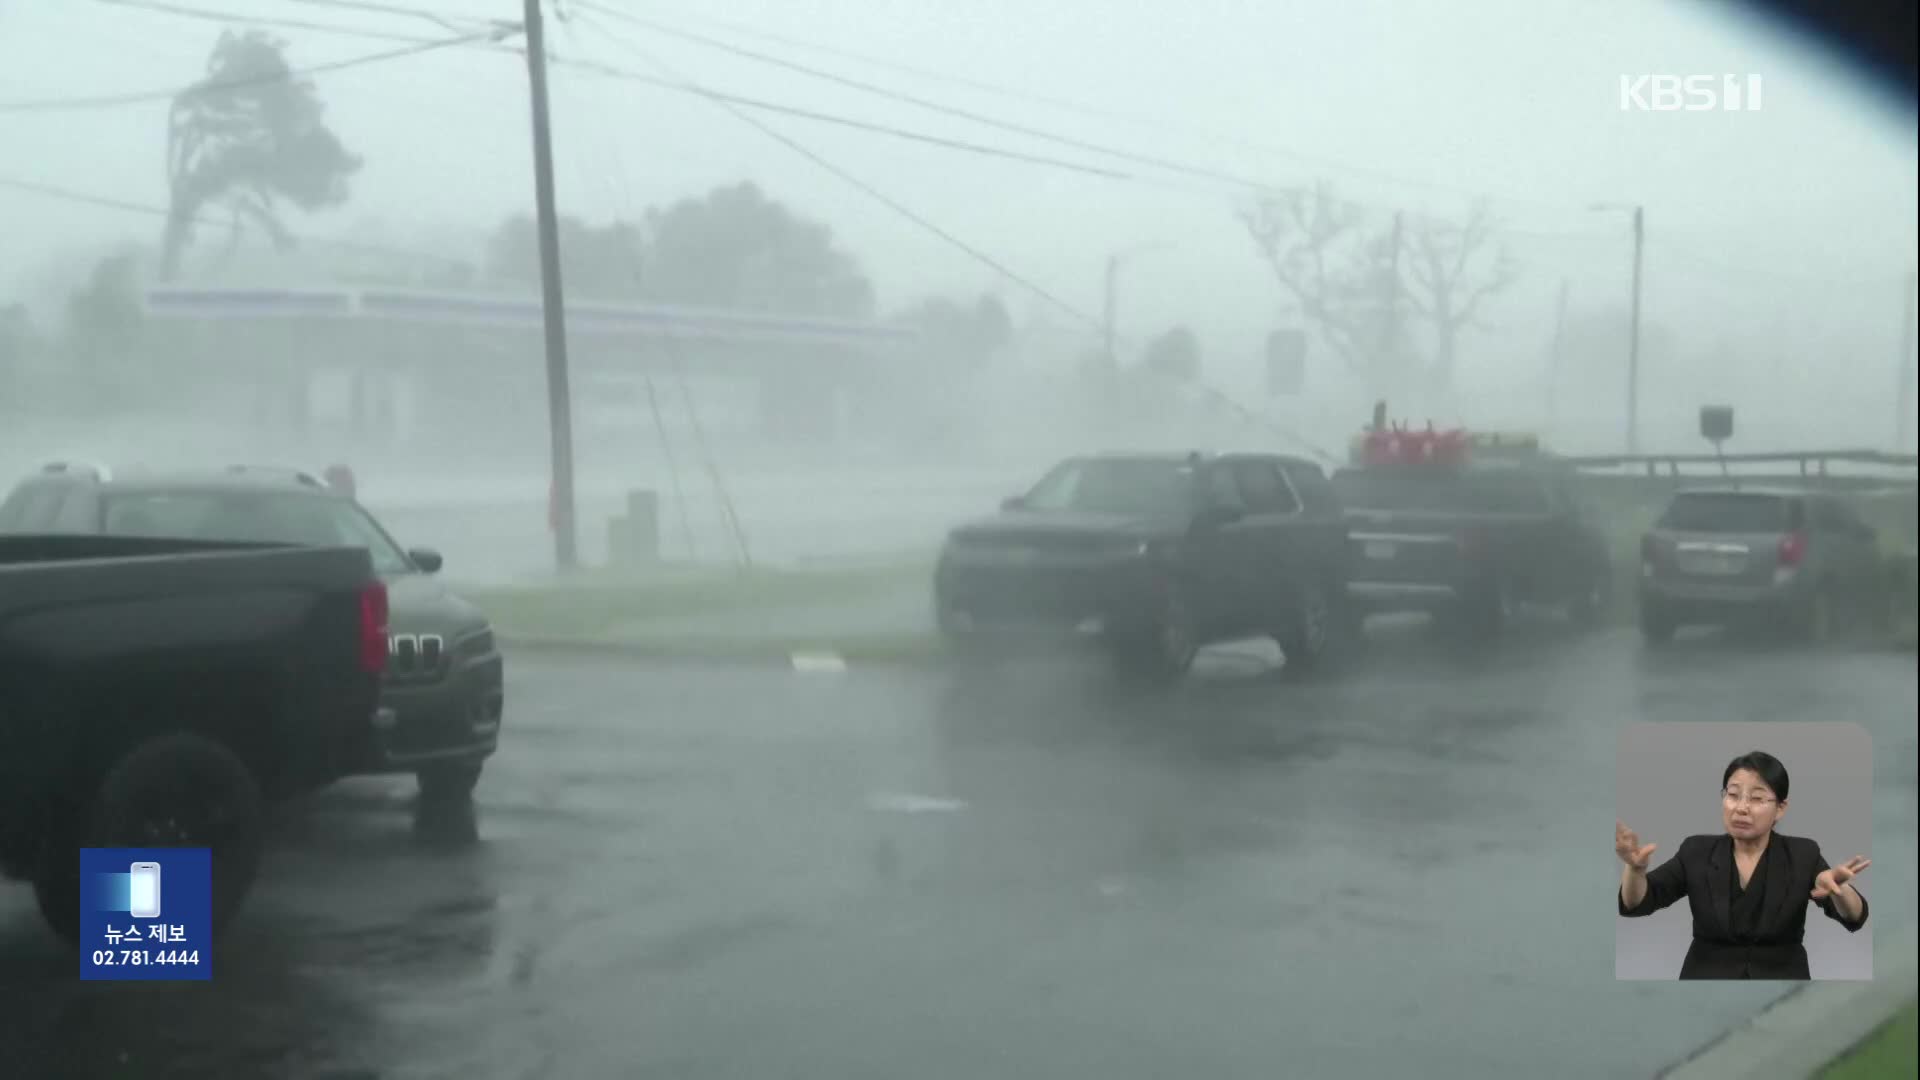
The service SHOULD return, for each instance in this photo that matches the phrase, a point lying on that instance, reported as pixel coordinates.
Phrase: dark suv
(441, 702)
(1156, 555)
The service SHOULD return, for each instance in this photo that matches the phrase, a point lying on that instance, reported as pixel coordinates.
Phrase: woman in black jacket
(1749, 887)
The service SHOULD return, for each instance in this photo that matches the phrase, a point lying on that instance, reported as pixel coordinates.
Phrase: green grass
(853, 648)
(1888, 1052)
(597, 602)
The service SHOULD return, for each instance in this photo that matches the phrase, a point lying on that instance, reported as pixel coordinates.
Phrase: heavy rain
(910, 539)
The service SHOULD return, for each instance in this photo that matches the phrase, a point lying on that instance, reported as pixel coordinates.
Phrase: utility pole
(1903, 400)
(1633, 347)
(1390, 324)
(1107, 320)
(552, 303)
(1554, 360)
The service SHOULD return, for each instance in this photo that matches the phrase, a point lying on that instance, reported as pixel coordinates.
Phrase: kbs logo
(1690, 93)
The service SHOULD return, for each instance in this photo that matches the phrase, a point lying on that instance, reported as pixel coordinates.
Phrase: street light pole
(1107, 318)
(552, 303)
(1110, 314)
(1633, 349)
(1902, 408)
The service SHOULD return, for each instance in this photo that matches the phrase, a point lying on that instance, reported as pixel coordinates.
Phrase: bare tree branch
(1445, 289)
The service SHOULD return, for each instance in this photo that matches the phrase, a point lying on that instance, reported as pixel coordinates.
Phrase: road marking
(892, 802)
(819, 663)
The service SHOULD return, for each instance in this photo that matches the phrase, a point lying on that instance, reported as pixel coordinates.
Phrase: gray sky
(1802, 213)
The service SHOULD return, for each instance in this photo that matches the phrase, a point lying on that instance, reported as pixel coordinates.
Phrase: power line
(623, 192)
(1234, 182)
(107, 101)
(934, 106)
(909, 69)
(1090, 110)
(763, 105)
(872, 192)
(970, 250)
(450, 22)
(235, 17)
(65, 194)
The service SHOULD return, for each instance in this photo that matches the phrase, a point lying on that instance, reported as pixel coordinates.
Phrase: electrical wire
(1298, 156)
(974, 252)
(1168, 164)
(140, 97)
(450, 22)
(729, 523)
(230, 17)
(66, 194)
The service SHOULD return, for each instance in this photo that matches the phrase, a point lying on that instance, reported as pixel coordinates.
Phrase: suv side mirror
(427, 559)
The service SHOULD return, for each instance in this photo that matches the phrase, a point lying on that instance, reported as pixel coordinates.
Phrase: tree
(967, 334)
(1338, 276)
(102, 330)
(737, 248)
(1366, 284)
(247, 136)
(1451, 272)
(595, 260)
(18, 345)
(1174, 354)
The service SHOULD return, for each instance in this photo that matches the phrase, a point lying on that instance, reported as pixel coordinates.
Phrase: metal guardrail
(1819, 459)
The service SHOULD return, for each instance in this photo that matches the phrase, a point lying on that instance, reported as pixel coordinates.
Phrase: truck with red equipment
(1469, 528)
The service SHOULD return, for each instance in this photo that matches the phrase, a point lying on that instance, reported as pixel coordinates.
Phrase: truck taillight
(1793, 549)
(373, 628)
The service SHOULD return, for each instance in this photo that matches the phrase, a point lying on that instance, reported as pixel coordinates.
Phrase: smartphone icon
(144, 890)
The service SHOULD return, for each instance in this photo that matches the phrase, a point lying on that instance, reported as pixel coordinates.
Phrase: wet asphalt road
(728, 872)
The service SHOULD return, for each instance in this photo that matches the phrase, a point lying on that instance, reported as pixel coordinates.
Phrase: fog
(1778, 250)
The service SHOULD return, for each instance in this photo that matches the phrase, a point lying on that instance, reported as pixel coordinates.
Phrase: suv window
(1504, 493)
(1423, 488)
(1315, 490)
(1115, 486)
(78, 514)
(31, 509)
(1223, 488)
(1263, 487)
(1833, 516)
(1732, 512)
(253, 516)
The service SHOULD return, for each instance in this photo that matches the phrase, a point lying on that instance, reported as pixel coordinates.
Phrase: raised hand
(1626, 844)
(1831, 879)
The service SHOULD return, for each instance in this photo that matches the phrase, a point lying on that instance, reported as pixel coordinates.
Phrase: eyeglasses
(1735, 798)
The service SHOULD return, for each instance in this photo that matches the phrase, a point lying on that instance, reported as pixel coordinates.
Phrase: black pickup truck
(160, 693)
(1472, 543)
(1155, 555)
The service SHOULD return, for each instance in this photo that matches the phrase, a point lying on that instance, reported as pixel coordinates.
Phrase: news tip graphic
(146, 914)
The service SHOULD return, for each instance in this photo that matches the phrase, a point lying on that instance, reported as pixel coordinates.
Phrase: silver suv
(1781, 558)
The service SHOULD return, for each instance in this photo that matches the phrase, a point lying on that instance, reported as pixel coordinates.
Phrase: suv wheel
(1814, 621)
(1590, 607)
(1312, 630)
(1482, 613)
(1163, 651)
(1656, 626)
(448, 782)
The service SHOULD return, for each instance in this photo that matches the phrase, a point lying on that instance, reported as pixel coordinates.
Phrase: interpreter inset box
(1742, 851)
